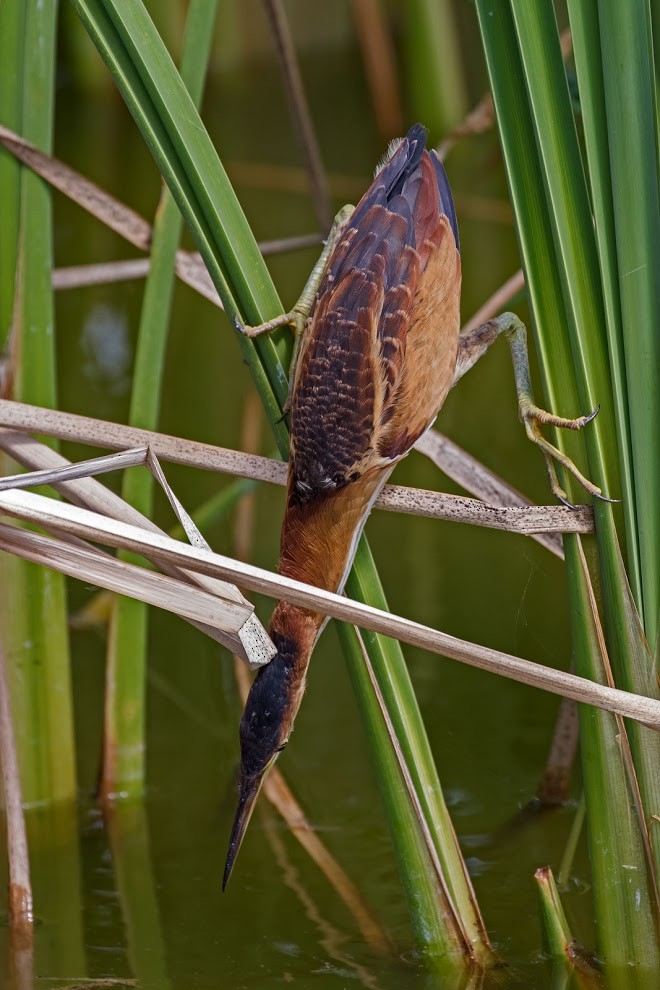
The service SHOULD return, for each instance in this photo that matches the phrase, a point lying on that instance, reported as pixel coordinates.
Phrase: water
(140, 897)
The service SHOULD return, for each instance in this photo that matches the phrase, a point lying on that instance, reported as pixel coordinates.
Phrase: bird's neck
(295, 630)
(318, 544)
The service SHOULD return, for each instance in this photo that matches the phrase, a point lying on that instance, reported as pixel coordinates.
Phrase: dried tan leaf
(81, 523)
(528, 520)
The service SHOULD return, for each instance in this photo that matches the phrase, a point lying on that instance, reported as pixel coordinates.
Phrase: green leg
(475, 343)
(297, 318)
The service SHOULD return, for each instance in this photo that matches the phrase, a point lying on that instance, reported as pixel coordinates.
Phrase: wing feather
(352, 370)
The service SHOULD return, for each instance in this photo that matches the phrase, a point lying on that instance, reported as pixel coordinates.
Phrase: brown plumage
(375, 365)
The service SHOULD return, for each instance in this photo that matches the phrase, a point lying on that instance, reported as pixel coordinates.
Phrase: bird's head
(264, 732)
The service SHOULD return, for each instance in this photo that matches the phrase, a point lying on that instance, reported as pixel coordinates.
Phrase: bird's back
(380, 349)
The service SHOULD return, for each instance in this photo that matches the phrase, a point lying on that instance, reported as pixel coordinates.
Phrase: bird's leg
(474, 343)
(297, 317)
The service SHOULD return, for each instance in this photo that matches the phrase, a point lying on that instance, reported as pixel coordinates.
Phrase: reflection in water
(126, 822)
(21, 967)
(331, 938)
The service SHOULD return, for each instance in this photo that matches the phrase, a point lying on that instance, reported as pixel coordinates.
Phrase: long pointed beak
(248, 792)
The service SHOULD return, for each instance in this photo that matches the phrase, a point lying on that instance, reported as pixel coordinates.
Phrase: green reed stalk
(563, 260)
(434, 74)
(631, 98)
(34, 620)
(176, 136)
(124, 721)
(12, 32)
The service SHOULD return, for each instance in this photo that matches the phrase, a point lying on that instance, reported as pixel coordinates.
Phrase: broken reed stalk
(109, 272)
(81, 523)
(299, 111)
(21, 915)
(530, 520)
(88, 493)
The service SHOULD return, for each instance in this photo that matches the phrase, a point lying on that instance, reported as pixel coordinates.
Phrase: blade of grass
(535, 236)
(572, 843)
(21, 914)
(189, 164)
(544, 253)
(433, 67)
(574, 235)
(123, 767)
(393, 760)
(557, 938)
(34, 603)
(12, 29)
(588, 64)
(570, 215)
(630, 101)
(623, 889)
(397, 691)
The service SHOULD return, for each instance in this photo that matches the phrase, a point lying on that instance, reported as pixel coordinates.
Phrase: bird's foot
(533, 417)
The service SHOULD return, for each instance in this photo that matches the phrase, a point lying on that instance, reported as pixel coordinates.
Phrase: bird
(377, 348)
(375, 363)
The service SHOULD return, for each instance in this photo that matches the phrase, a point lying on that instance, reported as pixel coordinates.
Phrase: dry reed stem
(379, 60)
(299, 111)
(21, 914)
(88, 493)
(395, 498)
(116, 215)
(74, 521)
(122, 578)
(479, 480)
(497, 302)
(109, 272)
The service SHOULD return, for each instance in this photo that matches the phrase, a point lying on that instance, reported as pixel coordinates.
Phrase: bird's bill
(248, 792)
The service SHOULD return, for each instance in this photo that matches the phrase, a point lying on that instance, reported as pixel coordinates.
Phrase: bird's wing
(352, 354)
(353, 359)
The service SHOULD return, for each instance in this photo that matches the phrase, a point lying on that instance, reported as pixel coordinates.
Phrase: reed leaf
(12, 29)
(624, 884)
(181, 558)
(558, 941)
(632, 130)
(553, 216)
(124, 717)
(34, 603)
(588, 64)
(570, 213)
(557, 936)
(434, 71)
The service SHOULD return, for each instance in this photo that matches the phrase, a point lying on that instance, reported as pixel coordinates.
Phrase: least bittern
(377, 348)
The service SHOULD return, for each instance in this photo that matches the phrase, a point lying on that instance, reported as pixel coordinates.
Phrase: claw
(532, 416)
